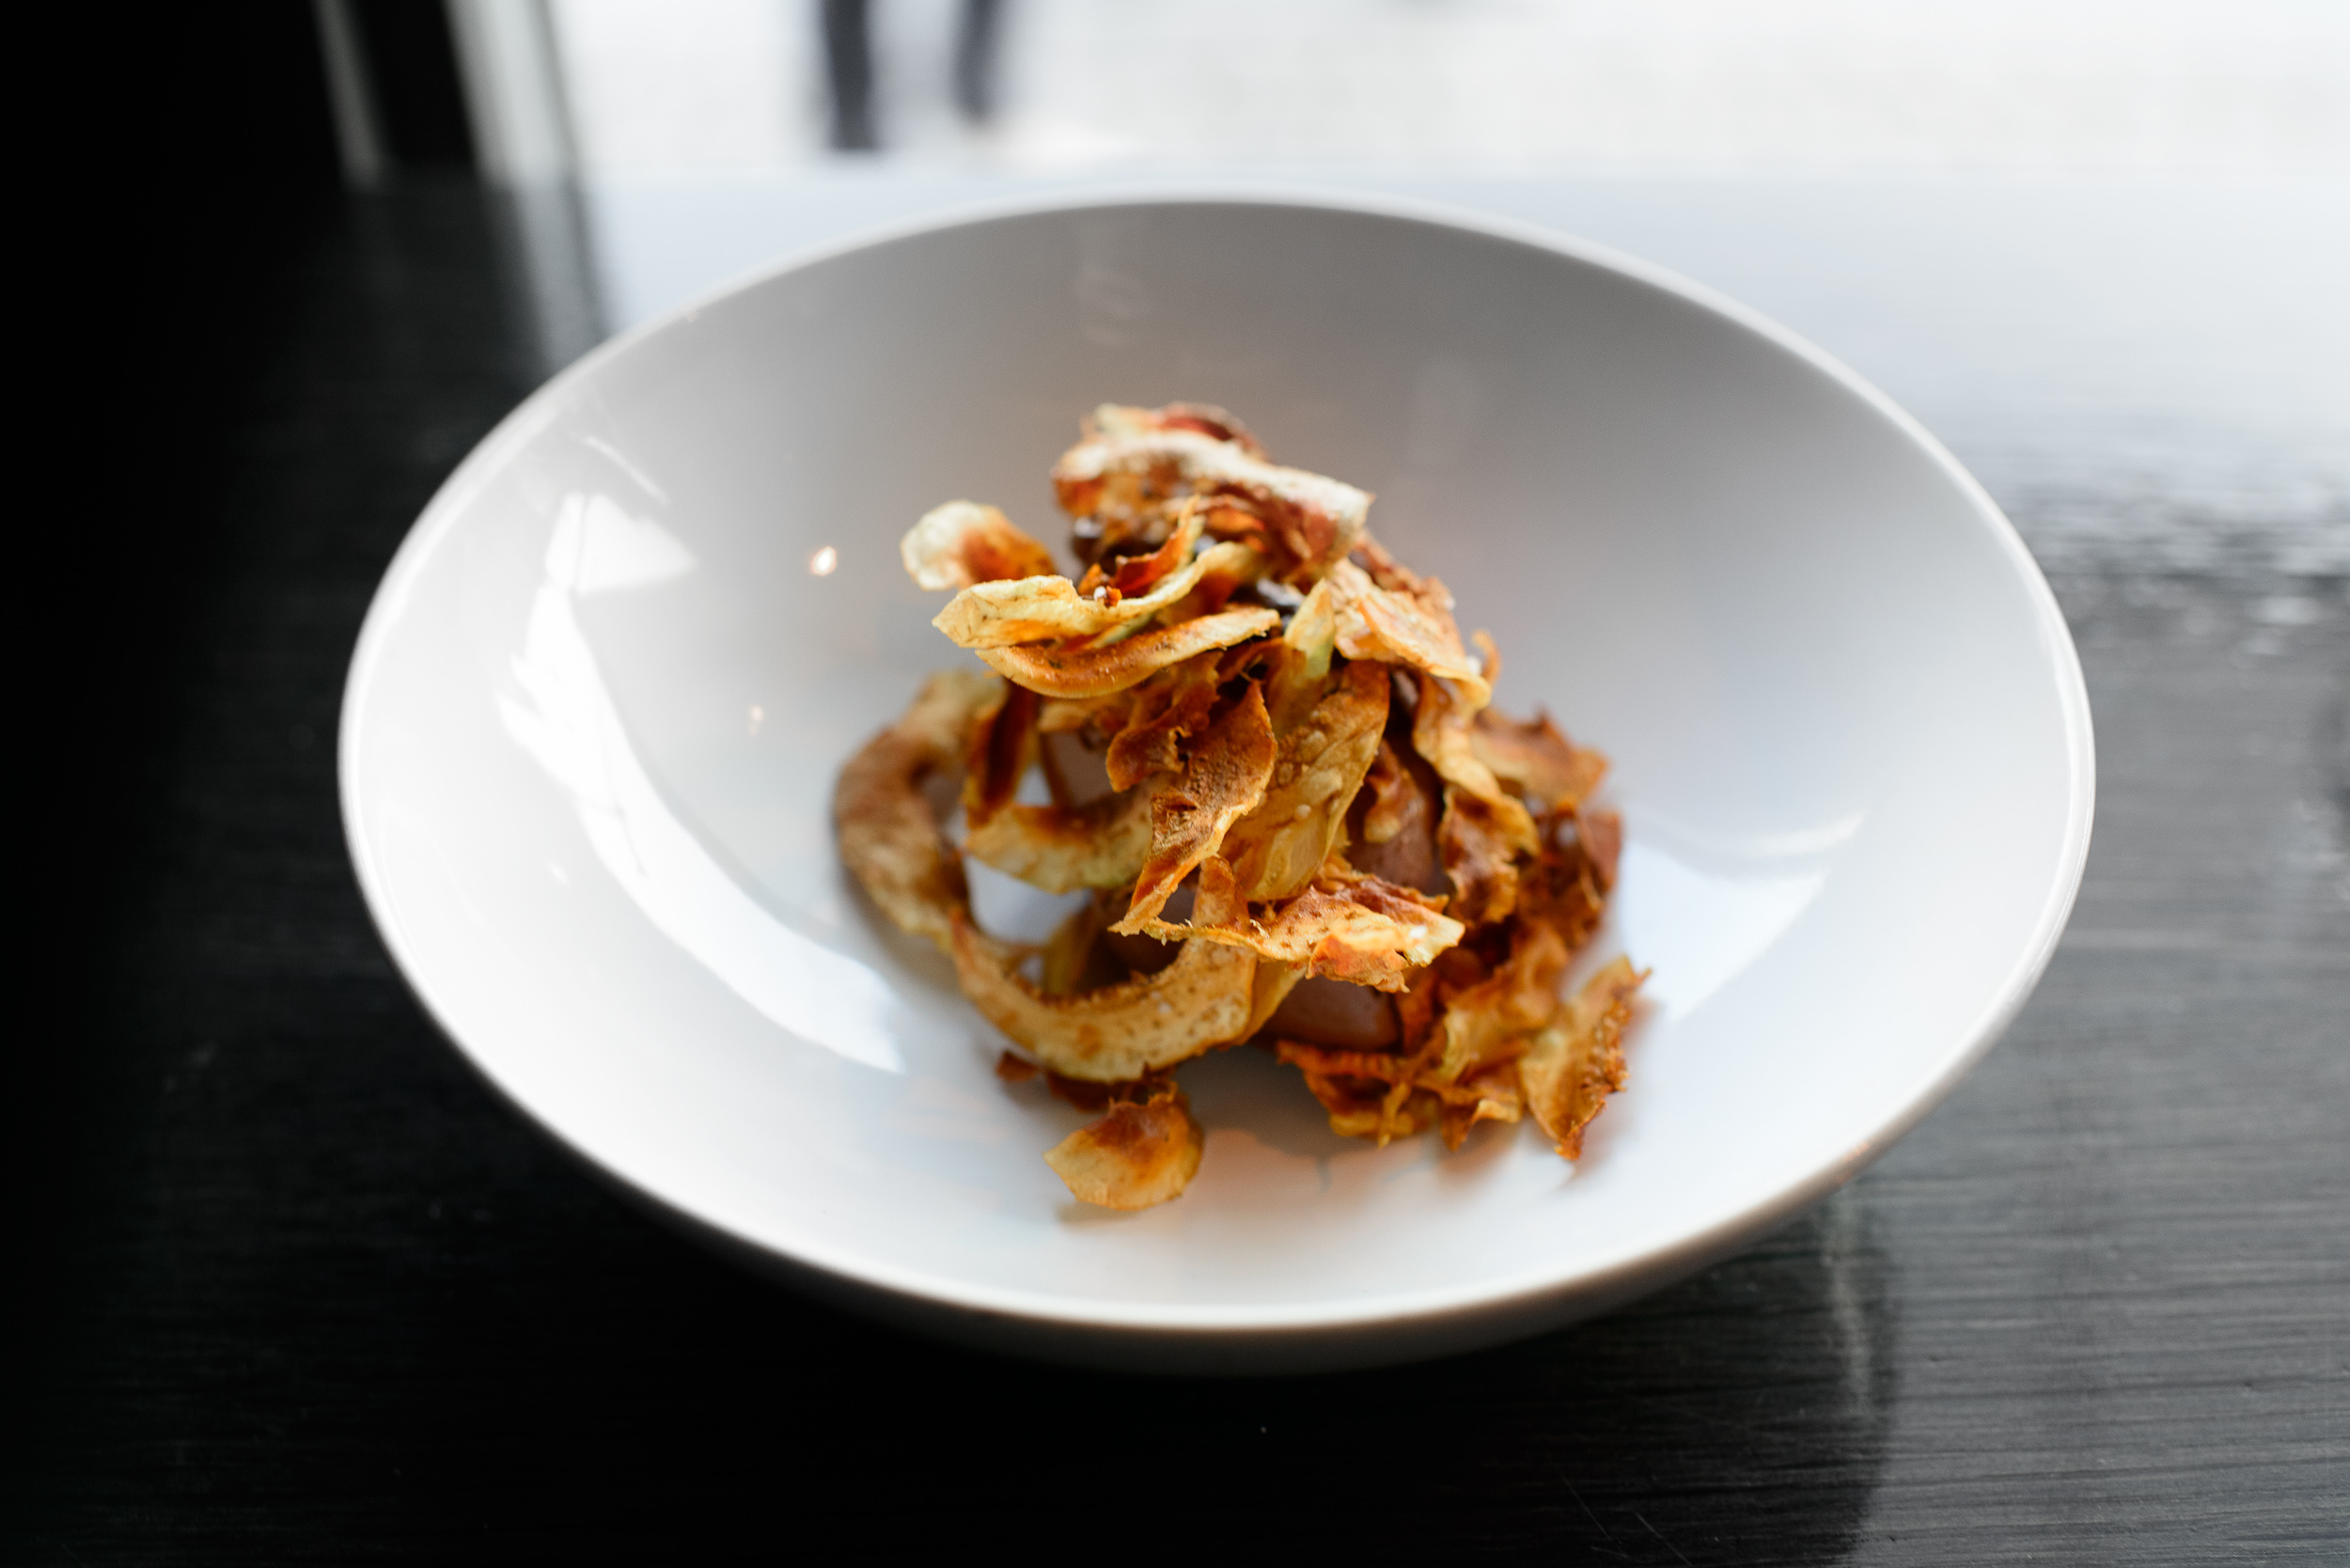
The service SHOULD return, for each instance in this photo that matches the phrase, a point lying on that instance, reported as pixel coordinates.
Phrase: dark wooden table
(299, 1289)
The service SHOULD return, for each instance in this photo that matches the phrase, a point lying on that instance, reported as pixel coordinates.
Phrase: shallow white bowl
(594, 718)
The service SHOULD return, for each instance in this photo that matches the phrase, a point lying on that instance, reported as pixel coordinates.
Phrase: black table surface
(302, 1289)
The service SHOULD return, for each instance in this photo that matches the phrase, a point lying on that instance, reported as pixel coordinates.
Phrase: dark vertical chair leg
(975, 59)
(849, 69)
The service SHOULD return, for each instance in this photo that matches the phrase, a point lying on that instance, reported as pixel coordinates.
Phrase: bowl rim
(921, 1294)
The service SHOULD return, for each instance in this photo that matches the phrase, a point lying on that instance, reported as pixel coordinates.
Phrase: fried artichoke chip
(1223, 780)
(890, 838)
(1360, 1107)
(1602, 836)
(1484, 829)
(1385, 569)
(1131, 577)
(1168, 708)
(1479, 847)
(1003, 748)
(1493, 1095)
(1124, 476)
(1414, 630)
(1117, 1032)
(1548, 770)
(1100, 671)
(1313, 634)
(1208, 419)
(1141, 1153)
(1566, 887)
(962, 543)
(1390, 797)
(1052, 608)
(1488, 1023)
(1342, 1081)
(1102, 844)
(1359, 930)
(1317, 769)
(1576, 1060)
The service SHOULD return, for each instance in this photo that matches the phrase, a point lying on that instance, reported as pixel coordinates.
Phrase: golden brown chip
(1317, 769)
(1391, 795)
(1601, 834)
(1131, 577)
(1546, 770)
(962, 543)
(1562, 887)
(1223, 780)
(1484, 830)
(1141, 1153)
(1208, 419)
(1052, 608)
(1576, 1060)
(1357, 1088)
(1492, 1095)
(1123, 478)
(1003, 748)
(1361, 931)
(1356, 1105)
(1118, 1032)
(1479, 848)
(1312, 633)
(1063, 848)
(889, 834)
(1414, 630)
(1169, 708)
(1385, 571)
(1489, 1023)
(1099, 672)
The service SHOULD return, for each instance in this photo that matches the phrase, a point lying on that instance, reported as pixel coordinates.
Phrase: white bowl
(594, 718)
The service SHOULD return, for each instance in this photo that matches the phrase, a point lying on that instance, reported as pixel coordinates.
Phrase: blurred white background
(2097, 245)
(2142, 86)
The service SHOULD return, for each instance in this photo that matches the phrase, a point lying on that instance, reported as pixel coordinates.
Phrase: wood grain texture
(308, 1293)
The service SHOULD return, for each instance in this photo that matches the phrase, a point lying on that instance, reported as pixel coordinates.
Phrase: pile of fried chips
(1272, 764)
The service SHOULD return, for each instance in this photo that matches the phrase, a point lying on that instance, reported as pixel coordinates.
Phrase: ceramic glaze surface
(593, 726)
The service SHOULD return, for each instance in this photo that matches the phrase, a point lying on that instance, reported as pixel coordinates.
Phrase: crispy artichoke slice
(1318, 768)
(1122, 473)
(1063, 848)
(1099, 672)
(1548, 770)
(1484, 829)
(1576, 1060)
(1414, 630)
(1223, 780)
(1488, 1023)
(1141, 1153)
(889, 835)
(963, 542)
(1050, 608)
(1168, 708)
(1357, 928)
(1123, 1032)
